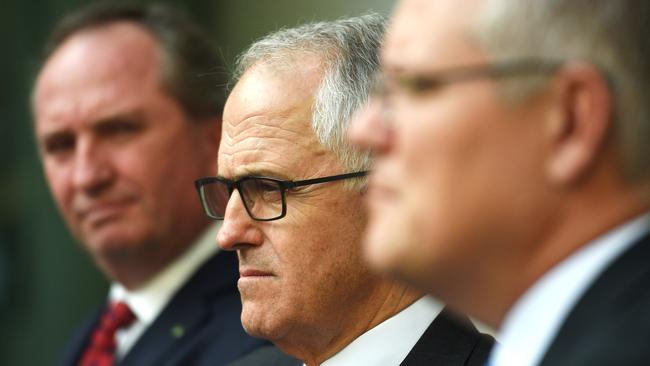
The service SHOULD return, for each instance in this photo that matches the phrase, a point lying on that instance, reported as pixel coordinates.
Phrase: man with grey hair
(512, 177)
(289, 192)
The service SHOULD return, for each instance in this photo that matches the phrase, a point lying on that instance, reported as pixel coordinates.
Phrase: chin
(113, 242)
(265, 318)
(261, 325)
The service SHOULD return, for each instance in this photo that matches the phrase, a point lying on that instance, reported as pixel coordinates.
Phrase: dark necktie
(101, 349)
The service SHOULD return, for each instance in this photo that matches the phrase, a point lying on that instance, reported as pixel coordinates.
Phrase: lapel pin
(178, 331)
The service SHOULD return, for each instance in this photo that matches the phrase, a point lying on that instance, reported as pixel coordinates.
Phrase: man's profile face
(454, 175)
(118, 153)
(299, 271)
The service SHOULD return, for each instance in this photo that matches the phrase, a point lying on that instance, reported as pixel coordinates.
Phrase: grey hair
(609, 34)
(349, 50)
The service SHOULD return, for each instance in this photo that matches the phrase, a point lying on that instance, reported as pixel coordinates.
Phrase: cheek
(322, 252)
(295, 254)
(162, 172)
(59, 178)
(389, 242)
(434, 159)
(442, 164)
(137, 173)
(436, 139)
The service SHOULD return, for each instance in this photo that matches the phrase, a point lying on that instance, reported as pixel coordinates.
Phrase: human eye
(58, 144)
(267, 185)
(417, 85)
(268, 190)
(262, 189)
(118, 127)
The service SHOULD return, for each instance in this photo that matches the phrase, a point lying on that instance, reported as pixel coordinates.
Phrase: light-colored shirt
(389, 342)
(150, 299)
(533, 322)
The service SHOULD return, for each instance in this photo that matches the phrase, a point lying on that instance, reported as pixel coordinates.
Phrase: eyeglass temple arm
(332, 178)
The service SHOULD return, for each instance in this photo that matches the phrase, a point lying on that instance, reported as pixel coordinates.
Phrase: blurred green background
(47, 284)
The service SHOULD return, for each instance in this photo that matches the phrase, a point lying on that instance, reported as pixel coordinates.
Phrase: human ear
(580, 128)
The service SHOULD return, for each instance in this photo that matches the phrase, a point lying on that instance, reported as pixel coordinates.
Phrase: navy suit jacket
(205, 315)
(610, 324)
(450, 340)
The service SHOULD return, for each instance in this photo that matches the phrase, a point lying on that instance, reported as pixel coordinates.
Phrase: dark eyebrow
(257, 173)
(132, 116)
(47, 136)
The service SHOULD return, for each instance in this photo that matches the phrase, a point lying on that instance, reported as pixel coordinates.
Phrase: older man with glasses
(512, 176)
(289, 191)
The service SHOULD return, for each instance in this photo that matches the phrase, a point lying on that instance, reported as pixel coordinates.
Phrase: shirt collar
(389, 342)
(148, 301)
(534, 320)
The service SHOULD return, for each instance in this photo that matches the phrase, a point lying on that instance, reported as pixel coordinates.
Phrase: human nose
(92, 172)
(238, 229)
(369, 128)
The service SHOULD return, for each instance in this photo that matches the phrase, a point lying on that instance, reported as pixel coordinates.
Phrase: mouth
(253, 274)
(250, 278)
(99, 213)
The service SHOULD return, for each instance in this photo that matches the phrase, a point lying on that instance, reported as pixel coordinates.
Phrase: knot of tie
(101, 349)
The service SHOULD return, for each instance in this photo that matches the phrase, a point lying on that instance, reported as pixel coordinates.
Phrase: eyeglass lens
(262, 198)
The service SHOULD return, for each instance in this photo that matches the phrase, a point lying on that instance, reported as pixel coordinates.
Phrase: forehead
(98, 69)
(427, 35)
(267, 123)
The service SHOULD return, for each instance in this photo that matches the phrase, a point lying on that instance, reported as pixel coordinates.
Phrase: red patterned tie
(101, 350)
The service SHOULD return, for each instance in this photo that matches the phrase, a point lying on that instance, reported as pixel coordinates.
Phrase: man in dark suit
(127, 114)
(512, 176)
(450, 339)
(289, 192)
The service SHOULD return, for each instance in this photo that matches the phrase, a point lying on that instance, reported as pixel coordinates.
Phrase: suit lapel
(450, 340)
(613, 293)
(185, 314)
(267, 356)
(79, 341)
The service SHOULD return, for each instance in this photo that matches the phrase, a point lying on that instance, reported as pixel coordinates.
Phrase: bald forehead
(294, 76)
(103, 52)
(271, 91)
(267, 121)
(423, 32)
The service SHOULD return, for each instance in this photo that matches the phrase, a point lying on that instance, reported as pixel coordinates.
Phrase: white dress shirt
(389, 342)
(533, 322)
(149, 300)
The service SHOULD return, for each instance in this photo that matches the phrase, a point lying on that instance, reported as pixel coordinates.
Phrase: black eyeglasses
(263, 197)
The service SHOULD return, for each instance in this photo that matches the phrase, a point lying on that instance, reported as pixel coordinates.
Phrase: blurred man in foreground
(289, 190)
(512, 174)
(127, 109)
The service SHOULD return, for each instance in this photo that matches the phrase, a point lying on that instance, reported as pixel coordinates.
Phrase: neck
(136, 265)
(575, 226)
(385, 303)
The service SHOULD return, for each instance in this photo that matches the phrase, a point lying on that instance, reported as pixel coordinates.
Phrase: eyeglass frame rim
(282, 183)
(461, 73)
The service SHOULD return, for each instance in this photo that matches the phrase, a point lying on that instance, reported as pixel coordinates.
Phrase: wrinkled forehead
(267, 124)
(427, 35)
